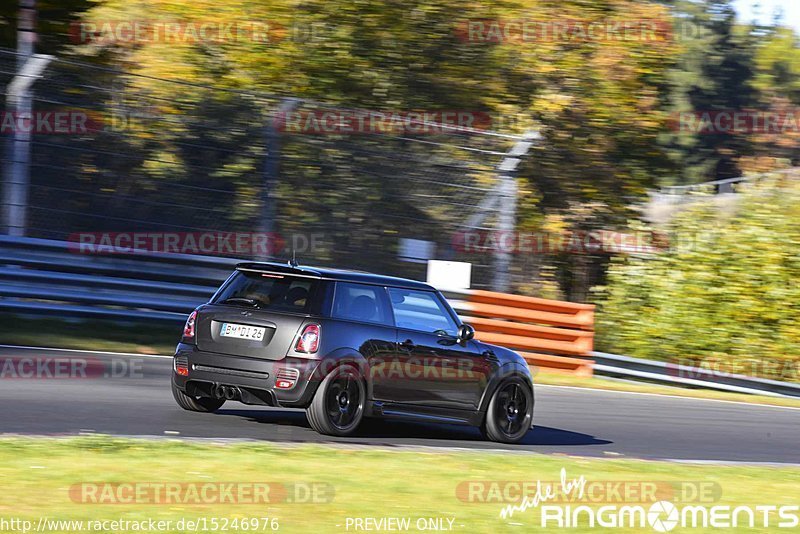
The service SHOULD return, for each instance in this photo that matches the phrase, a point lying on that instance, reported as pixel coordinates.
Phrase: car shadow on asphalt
(381, 429)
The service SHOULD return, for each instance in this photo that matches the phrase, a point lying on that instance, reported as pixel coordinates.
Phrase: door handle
(407, 344)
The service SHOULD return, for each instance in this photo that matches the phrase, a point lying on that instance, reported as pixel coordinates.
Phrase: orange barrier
(559, 334)
(556, 364)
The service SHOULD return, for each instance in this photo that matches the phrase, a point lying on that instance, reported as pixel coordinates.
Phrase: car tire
(196, 404)
(338, 404)
(510, 411)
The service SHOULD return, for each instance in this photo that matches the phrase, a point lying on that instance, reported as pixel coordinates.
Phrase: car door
(366, 325)
(438, 370)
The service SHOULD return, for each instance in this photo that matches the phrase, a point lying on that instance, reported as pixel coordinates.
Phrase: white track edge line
(614, 391)
(86, 351)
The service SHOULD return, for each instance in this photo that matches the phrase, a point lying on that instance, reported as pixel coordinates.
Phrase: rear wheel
(338, 405)
(195, 404)
(510, 412)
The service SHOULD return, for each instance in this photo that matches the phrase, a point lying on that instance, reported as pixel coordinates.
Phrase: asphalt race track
(568, 420)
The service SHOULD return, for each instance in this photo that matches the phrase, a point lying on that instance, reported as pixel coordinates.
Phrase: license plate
(242, 331)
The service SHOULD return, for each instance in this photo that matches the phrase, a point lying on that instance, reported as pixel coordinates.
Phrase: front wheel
(510, 411)
(195, 404)
(338, 405)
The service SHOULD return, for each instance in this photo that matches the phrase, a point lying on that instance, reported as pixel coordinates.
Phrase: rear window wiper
(241, 300)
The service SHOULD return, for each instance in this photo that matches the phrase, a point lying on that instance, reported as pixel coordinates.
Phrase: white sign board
(416, 250)
(449, 275)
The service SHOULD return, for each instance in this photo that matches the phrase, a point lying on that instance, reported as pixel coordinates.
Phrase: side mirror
(465, 333)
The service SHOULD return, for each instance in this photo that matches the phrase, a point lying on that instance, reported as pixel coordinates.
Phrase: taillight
(286, 378)
(181, 365)
(188, 329)
(308, 342)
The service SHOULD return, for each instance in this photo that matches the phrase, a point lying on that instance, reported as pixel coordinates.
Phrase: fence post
(507, 213)
(20, 104)
(272, 164)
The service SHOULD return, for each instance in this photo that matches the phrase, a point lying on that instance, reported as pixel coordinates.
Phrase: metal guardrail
(726, 185)
(44, 277)
(49, 277)
(681, 375)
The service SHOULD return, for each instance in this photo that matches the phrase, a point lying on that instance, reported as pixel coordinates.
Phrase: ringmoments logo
(660, 516)
(664, 516)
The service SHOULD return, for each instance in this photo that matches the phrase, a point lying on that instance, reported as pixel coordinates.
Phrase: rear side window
(361, 302)
(421, 310)
(276, 292)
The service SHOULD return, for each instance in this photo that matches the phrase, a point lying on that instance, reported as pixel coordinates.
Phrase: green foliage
(777, 65)
(196, 113)
(777, 78)
(53, 23)
(725, 291)
(597, 103)
(714, 73)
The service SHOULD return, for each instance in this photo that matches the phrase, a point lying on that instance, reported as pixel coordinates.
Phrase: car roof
(334, 274)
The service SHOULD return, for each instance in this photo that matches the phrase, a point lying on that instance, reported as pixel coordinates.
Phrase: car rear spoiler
(278, 268)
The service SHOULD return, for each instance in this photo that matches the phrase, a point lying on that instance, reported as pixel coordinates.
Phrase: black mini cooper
(347, 345)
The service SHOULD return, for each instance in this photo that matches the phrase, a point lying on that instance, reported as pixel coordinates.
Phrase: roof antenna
(293, 261)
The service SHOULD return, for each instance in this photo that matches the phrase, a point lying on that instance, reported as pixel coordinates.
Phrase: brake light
(308, 342)
(181, 363)
(286, 378)
(188, 329)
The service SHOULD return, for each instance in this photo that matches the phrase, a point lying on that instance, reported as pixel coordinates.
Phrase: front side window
(421, 310)
(268, 291)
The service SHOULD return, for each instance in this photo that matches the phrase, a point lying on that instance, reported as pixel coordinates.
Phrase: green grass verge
(111, 336)
(36, 475)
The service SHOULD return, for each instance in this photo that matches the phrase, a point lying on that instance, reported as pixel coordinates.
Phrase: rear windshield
(276, 292)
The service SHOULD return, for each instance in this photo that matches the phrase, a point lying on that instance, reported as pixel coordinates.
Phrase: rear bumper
(254, 377)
